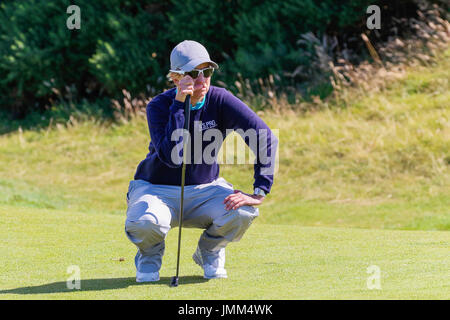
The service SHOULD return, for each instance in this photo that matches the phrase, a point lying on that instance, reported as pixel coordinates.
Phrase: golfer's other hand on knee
(239, 199)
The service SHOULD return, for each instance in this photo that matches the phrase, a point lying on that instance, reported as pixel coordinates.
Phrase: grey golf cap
(187, 55)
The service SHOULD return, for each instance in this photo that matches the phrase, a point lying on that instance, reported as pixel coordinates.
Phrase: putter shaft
(187, 113)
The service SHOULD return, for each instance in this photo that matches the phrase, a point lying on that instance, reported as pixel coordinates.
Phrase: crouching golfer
(210, 202)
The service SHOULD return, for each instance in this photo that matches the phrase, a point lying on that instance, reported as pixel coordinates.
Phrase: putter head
(174, 282)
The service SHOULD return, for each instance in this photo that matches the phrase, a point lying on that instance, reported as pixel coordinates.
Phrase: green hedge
(41, 60)
(127, 44)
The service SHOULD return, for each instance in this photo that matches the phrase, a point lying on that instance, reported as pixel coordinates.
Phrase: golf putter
(187, 113)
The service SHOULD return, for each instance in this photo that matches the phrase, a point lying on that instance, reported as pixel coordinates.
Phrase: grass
(381, 162)
(360, 182)
(310, 263)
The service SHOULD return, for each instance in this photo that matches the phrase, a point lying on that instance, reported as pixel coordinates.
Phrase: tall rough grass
(430, 37)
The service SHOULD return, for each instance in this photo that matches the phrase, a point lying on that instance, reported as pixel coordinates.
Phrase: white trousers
(154, 209)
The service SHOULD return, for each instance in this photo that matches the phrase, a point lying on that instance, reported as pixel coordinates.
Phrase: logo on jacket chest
(202, 126)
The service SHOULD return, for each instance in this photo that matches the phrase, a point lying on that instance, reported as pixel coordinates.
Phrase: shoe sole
(141, 281)
(222, 276)
(140, 277)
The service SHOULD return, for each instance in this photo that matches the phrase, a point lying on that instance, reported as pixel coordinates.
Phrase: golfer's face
(201, 84)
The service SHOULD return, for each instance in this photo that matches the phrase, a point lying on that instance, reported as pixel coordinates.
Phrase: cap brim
(192, 64)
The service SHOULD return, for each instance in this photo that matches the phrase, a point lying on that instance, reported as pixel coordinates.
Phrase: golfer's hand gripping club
(185, 88)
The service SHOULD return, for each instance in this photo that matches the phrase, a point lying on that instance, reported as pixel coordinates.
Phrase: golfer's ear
(175, 78)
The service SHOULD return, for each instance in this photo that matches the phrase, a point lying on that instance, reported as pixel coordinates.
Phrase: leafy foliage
(125, 45)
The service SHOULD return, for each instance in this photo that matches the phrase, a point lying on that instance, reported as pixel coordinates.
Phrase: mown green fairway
(271, 262)
(363, 183)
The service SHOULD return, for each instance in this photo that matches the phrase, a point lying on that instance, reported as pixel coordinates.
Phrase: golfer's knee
(146, 229)
(240, 221)
(245, 215)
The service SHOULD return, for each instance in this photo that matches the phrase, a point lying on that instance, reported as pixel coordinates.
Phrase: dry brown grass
(431, 36)
(131, 107)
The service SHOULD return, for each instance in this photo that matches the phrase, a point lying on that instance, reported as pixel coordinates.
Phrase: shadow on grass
(98, 284)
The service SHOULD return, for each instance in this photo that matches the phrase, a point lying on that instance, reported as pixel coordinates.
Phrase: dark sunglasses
(207, 72)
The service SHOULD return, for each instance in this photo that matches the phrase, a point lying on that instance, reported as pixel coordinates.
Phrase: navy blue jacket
(221, 111)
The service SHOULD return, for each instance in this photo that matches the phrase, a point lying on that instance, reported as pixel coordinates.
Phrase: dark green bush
(39, 56)
(127, 44)
(128, 57)
(41, 60)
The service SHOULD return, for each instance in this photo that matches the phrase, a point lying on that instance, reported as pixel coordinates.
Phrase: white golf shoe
(147, 277)
(214, 264)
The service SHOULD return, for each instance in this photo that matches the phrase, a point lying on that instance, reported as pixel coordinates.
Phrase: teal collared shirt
(198, 105)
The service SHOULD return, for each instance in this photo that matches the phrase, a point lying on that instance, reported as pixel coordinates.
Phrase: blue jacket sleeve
(163, 120)
(257, 135)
